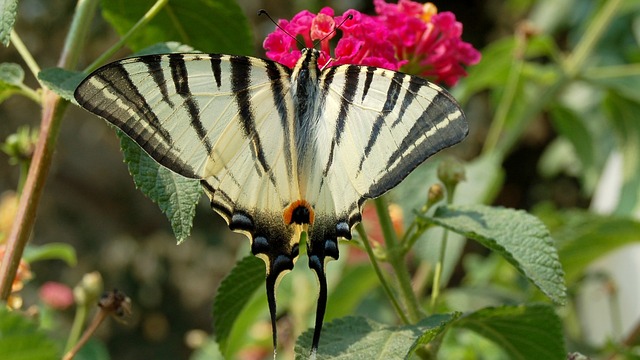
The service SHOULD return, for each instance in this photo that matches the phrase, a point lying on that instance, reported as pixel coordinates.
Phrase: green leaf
(11, 76)
(485, 176)
(234, 293)
(51, 251)
(360, 338)
(524, 332)
(623, 113)
(208, 25)
(521, 238)
(176, 195)
(568, 125)
(93, 350)
(584, 237)
(354, 285)
(165, 48)
(20, 338)
(62, 82)
(497, 60)
(8, 10)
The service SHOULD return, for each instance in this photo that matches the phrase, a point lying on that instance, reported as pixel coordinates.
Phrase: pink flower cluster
(407, 36)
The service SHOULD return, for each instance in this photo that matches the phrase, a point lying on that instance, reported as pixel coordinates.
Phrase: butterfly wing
(221, 119)
(376, 126)
(373, 127)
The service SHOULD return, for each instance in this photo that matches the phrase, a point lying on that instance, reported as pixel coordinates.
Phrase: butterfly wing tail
(317, 265)
(271, 300)
(323, 245)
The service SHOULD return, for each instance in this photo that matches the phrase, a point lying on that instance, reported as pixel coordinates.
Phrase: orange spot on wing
(288, 211)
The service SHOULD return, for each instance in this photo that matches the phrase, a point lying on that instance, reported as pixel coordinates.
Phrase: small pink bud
(56, 295)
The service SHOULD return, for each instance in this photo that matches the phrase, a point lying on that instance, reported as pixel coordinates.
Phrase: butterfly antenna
(264, 12)
(349, 17)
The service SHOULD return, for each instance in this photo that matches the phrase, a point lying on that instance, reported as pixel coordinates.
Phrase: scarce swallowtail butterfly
(278, 151)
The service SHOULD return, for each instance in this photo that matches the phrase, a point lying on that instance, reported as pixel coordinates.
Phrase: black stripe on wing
(180, 78)
(240, 86)
(442, 113)
(156, 71)
(110, 93)
(395, 87)
(276, 74)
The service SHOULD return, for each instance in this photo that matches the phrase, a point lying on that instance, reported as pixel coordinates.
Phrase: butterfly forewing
(197, 115)
(375, 126)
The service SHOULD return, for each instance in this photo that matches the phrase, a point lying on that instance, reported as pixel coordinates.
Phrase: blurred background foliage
(562, 137)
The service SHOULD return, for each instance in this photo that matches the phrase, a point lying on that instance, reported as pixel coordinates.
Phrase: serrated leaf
(521, 238)
(175, 195)
(62, 82)
(360, 338)
(8, 10)
(524, 332)
(208, 25)
(233, 295)
(20, 338)
(51, 251)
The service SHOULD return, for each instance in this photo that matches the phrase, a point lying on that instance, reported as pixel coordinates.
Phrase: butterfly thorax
(304, 92)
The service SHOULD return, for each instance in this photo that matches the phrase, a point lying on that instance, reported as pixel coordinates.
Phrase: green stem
(437, 276)
(30, 93)
(597, 27)
(508, 96)
(607, 72)
(383, 279)
(396, 259)
(151, 13)
(25, 54)
(53, 108)
(77, 35)
(76, 328)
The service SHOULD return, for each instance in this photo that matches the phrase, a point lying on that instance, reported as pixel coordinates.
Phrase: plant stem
(150, 14)
(383, 280)
(85, 9)
(95, 323)
(53, 108)
(437, 276)
(577, 58)
(25, 54)
(76, 328)
(396, 259)
(606, 72)
(508, 96)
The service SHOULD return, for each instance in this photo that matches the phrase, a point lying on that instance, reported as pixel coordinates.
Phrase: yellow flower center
(428, 10)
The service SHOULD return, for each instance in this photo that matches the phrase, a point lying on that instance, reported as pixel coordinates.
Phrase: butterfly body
(277, 150)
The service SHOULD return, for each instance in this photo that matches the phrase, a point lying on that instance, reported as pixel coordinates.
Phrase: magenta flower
(407, 36)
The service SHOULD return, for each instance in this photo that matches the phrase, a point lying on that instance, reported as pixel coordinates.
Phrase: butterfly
(279, 151)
